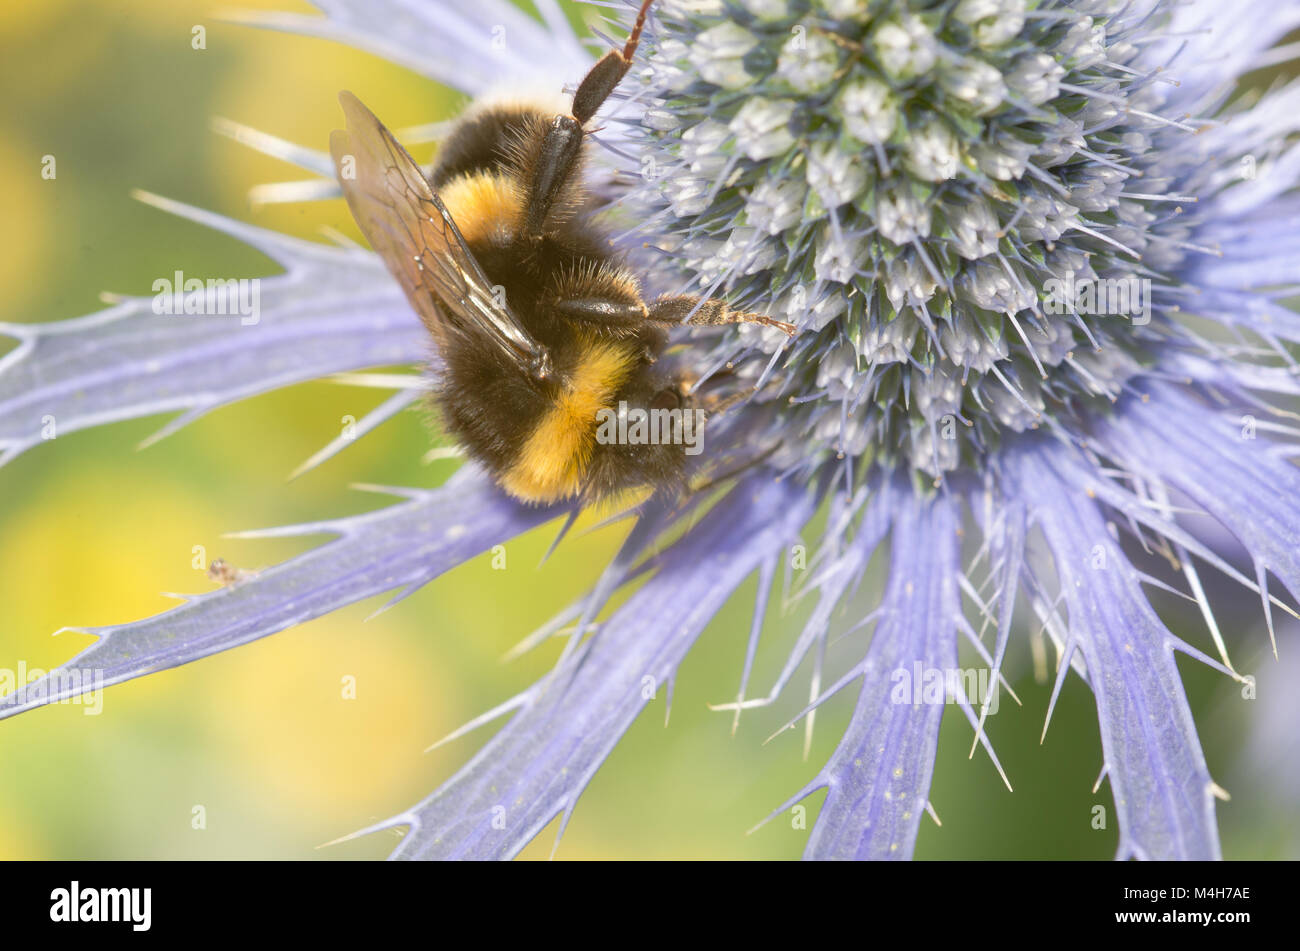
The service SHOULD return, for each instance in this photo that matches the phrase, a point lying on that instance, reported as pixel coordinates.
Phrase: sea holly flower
(1038, 255)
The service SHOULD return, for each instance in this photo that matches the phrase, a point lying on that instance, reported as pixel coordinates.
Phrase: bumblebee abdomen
(486, 140)
(486, 205)
(554, 457)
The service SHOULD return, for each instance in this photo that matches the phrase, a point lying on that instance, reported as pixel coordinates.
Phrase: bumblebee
(539, 325)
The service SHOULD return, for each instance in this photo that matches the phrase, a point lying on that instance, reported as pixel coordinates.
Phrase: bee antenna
(629, 49)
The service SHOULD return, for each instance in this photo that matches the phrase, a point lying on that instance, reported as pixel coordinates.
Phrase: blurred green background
(91, 531)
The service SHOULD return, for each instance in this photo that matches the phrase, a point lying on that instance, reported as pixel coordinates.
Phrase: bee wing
(414, 233)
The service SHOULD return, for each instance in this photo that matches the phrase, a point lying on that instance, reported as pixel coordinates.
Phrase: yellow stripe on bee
(486, 206)
(556, 456)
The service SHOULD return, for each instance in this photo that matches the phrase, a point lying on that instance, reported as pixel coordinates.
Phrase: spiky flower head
(915, 184)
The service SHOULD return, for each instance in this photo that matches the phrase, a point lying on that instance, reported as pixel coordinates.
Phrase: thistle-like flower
(1036, 253)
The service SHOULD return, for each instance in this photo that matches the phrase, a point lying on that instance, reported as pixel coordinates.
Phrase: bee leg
(722, 404)
(677, 309)
(551, 169)
(613, 317)
(711, 481)
(557, 155)
(715, 395)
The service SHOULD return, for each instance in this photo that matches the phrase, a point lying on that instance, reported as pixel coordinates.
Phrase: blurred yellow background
(92, 530)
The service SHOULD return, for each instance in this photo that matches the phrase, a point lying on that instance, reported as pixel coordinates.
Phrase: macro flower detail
(1038, 255)
(942, 170)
